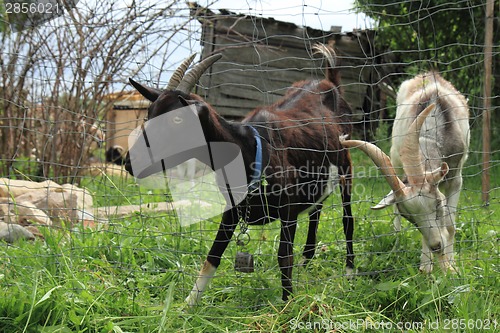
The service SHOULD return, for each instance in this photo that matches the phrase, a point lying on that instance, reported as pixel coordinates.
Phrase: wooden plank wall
(262, 57)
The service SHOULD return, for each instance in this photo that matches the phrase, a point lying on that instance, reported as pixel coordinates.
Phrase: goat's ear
(436, 176)
(151, 94)
(388, 200)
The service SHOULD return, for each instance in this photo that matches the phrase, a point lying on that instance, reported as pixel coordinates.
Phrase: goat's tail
(332, 72)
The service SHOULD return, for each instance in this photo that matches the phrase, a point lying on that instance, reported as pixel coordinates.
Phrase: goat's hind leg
(310, 247)
(347, 218)
(285, 255)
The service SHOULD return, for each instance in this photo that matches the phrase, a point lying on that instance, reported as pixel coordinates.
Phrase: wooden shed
(262, 57)
(127, 112)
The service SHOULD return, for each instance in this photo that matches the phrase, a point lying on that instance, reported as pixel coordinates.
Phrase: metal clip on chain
(243, 261)
(243, 237)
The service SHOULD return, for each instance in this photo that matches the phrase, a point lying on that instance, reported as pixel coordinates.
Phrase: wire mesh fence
(87, 246)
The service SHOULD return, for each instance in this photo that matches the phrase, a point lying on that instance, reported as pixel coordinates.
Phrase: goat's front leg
(449, 252)
(285, 255)
(397, 219)
(310, 247)
(425, 259)
(447, 262)
(224, 235)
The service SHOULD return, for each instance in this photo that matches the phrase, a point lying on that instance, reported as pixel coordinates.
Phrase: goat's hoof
(425, 268)
(452, 270)
(304, 261)
(192, 300)
(449, 268)
(186, 308)
(349, 273)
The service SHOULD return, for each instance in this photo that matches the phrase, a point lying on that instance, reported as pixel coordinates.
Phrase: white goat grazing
(430, 140)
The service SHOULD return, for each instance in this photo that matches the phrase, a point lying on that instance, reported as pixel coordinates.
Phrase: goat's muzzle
(128, 164)
(436, 247)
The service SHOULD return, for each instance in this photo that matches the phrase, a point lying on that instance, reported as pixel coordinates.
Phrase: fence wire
(68, 206)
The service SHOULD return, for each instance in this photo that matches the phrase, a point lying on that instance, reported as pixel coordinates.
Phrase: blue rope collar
(257, 170)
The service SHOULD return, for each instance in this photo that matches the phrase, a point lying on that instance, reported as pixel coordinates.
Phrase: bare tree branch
(55, 78)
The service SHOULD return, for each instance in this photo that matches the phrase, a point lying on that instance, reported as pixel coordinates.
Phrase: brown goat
(301, 159)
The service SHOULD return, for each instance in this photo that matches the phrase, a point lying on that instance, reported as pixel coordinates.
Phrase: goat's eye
(177, 120)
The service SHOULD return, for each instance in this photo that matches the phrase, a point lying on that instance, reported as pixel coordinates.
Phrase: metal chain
(243, 237)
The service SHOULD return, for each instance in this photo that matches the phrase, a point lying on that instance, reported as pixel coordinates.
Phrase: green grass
(133, 274)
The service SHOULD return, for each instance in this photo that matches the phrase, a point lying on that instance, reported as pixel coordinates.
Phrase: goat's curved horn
(410, 151)
(194, 74)
(381, 160)
(179, 73)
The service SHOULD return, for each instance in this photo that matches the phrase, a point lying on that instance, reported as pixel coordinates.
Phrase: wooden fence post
(488, 53)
